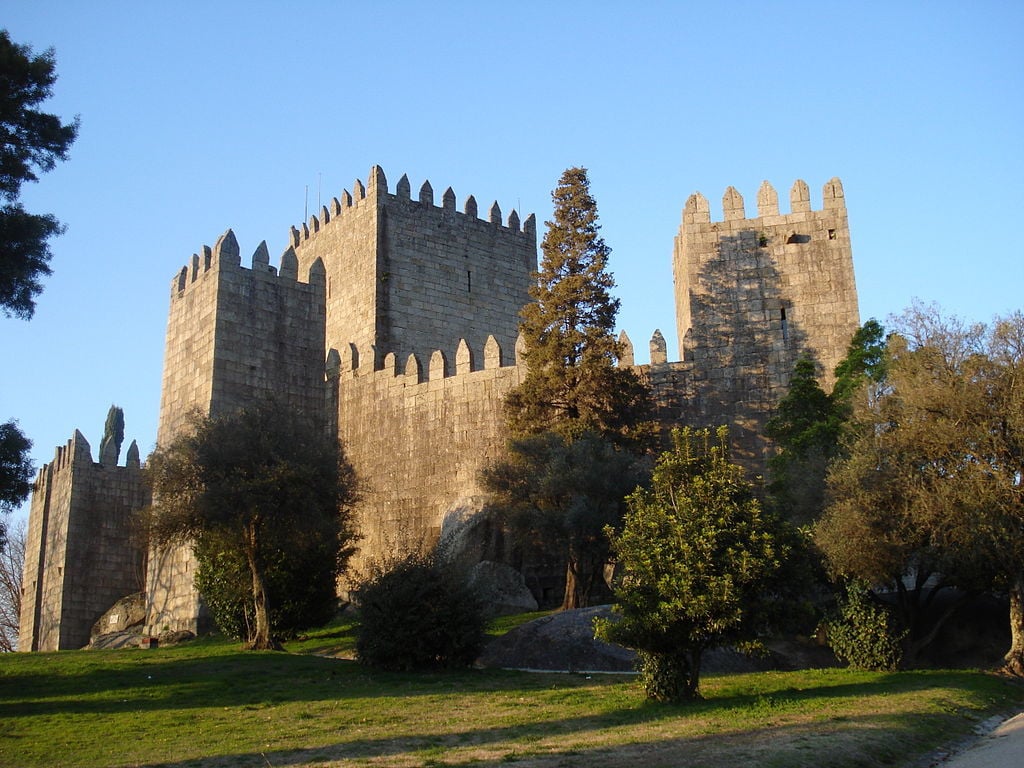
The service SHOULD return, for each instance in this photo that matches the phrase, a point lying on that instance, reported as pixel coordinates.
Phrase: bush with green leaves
(698, 559)
(866, 634)
(418, 612)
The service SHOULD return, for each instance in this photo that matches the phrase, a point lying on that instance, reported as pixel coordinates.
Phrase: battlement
(376, 189)
(353, 361)
(696, 211)
(225, 256)
(77, 452)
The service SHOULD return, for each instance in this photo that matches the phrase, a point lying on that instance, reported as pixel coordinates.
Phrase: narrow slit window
(469, 281)
(785, 325)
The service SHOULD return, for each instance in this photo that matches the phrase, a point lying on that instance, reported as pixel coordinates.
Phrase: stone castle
(395, 321)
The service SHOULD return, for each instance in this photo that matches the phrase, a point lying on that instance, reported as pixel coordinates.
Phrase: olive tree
(266, 484)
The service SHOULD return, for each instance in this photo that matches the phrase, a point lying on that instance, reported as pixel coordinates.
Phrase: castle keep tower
(753, 295)
(410, 277)
(423, 307)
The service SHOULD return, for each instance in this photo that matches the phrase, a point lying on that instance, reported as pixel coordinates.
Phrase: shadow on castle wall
(740, 351)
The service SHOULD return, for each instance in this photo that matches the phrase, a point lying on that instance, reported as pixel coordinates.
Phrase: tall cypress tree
(572, 384)
(113, 431)
(575, 408)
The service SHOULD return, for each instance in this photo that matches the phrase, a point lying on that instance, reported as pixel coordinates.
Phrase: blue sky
(207, 116)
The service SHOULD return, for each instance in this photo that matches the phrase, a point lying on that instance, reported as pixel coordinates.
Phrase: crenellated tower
(408, 276)
(81, 554)
(234, 333)
(753, 295)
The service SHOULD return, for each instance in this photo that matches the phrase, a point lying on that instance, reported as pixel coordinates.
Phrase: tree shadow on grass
(863, 740)
(141, 681)
(145, 683)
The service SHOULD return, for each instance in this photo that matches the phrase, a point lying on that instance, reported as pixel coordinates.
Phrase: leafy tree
(698, 558)
(15, 466)
(808, 424)
(31, 142)
(929, 494)
(264, 482)
(417, 612)
(572, 383)
(16, 470)
(564, 492)
(865, 635)
(302, 579)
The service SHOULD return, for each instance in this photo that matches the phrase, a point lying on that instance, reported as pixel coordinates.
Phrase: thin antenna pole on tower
(305, 206)
(318, 177)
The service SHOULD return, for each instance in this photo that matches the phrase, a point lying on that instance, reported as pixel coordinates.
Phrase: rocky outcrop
(129, 611)
(563, 641)
(502, 588)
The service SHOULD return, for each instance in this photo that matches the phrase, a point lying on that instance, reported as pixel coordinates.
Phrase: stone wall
(80, 554)
(415, 309)
(418, 436)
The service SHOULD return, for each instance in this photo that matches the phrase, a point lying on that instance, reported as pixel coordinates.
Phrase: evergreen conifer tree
(113, 431)
(572, 384)
(576, 411)
(31, 142)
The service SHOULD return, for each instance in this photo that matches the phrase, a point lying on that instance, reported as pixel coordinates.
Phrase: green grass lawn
(208, 704)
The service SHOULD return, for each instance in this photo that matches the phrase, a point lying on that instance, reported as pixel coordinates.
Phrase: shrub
(866, 635)
(418, 612)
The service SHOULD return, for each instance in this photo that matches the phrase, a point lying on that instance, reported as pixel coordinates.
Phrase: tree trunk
(1014, 659)
(571, 598)
(914, 643)
(260, 639)
(577, 585)
(671, 677)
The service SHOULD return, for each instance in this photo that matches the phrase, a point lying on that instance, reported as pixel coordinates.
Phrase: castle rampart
(443, 422)
(80, 552)
(394, 321)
